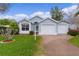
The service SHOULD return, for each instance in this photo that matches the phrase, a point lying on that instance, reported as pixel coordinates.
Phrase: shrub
(15, 31)
(73, 32)
(31, 32)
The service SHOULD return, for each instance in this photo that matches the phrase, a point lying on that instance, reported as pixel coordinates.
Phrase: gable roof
(37, 17)
(24, 20)
(64, 21)
(29, 20)
(50, 19)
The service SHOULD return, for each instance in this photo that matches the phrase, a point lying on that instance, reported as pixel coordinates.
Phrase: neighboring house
(46, 26)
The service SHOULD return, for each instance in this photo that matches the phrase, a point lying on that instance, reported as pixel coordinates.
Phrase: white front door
(48, 29)
(63, 29)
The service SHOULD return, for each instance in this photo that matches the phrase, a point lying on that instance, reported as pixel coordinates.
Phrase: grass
(25, 45)
(74, 40)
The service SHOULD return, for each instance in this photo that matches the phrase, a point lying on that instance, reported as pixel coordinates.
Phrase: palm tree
(56, 13)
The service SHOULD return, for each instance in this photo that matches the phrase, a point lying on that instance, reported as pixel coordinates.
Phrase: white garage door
(62, 29)
(48, 29)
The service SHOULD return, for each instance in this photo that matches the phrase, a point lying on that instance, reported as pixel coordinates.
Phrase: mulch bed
(6, 41)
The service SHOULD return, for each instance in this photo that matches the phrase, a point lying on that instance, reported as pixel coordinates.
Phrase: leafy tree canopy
(12, 23)
(56, 14)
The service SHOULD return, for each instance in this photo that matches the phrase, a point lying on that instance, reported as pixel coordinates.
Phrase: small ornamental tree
(6, 33)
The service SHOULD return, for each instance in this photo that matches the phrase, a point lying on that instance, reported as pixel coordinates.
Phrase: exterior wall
(49, 25)
(32, 27)
(63, 28)
(54, 27)
(20, 28)
(33, 20)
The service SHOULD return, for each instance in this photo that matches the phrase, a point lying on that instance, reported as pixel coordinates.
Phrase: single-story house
(43, 26)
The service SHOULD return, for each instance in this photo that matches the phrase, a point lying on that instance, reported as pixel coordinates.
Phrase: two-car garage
(50, 27)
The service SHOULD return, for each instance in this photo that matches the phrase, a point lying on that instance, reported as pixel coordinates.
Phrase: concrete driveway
(58, 46)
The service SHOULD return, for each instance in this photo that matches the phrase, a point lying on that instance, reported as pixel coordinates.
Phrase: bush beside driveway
(59, 46)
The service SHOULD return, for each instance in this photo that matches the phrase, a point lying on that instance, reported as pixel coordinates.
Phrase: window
(25, 27)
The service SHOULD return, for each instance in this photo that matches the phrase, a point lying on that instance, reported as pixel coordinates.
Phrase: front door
(36, 27)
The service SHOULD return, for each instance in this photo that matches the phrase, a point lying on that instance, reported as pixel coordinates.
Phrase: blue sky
(29, 8)
(19, 11)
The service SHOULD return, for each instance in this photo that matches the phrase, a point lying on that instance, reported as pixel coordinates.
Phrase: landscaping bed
(24, 45)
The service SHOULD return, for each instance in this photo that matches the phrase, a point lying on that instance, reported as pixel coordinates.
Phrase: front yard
(74, 40)
(24, 45)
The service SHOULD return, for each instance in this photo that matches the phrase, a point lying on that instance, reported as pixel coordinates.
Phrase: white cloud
(47, 14)
(17, 17)
(70, 11)
(40, 14)
(22, 15)
(6, 17)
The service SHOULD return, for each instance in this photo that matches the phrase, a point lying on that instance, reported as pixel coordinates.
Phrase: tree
(12, 23)
(4, 7)
(76, 19)
(4, 22)
(56, 14)
(73, 16)
(9, 31)
(14, 26)
(76, 14)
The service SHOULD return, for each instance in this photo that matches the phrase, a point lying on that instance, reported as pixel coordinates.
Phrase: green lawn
(74, 40)
(25, 45)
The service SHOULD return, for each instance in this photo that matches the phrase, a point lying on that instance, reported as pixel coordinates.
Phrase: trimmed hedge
(73, 32)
